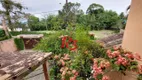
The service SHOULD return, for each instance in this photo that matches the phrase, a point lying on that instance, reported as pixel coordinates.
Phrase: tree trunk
(5, 28)
(9, 20)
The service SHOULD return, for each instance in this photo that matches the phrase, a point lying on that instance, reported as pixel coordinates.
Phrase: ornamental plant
(116, 59)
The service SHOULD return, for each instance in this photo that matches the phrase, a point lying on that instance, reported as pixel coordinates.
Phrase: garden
(78, 57)
(73, 38)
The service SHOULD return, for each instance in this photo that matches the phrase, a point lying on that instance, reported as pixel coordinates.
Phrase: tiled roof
(13, 64)
(112, 40)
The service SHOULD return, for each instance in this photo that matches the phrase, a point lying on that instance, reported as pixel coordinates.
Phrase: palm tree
(10, 8)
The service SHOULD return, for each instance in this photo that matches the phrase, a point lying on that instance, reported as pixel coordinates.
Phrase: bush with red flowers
(77, 57)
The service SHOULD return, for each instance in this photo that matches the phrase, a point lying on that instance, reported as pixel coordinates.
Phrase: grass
(15, 33)
(99, 34)
(102, 33)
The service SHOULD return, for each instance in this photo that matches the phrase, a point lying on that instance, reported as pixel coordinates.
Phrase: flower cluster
(64, 69)
(66, 41)
(98, 68)
(117, 59)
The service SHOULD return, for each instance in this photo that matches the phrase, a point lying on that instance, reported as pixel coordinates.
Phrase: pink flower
(117, 62)
(107, 64)
(121, 60)
(62, 62)
(117, 53)
(113, 54)
(110, 55)
(124, 63)
(73, 71)
(97, 70)
(116, 47)
(105, 78)
(129, 55)
(76, 74)
(108, 51)
(138, 57)
(72, 78)
(140, 69)
(102, 64)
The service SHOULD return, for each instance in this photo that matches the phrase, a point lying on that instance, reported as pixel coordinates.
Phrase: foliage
(69, 64)
(97, 18)
(10, 8)
(15, 33)
(19, 43)
(2, 35)
(116, 59)
(69, 13)
(33, 23)
(123, 20)
(52, 43)
(95, 9)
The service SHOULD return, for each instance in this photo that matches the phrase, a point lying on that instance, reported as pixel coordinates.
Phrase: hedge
(19, 43)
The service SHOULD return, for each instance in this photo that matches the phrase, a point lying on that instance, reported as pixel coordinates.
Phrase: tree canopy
(10, 8)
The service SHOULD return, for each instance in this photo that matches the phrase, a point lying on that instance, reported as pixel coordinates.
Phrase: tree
(53, 22)
(123, 20)
(10, 8)
(95, 9)
(95, 20)
(33, 22)
(110, 19)
(69, 13)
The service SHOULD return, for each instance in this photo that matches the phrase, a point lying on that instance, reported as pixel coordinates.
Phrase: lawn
(98, 34)
(102, 33)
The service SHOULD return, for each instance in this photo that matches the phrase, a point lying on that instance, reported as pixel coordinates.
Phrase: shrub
(19, 43)
(51, 43)
(66, 61)
(2, 35)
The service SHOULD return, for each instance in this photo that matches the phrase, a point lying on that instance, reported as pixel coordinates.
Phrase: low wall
(8, 46)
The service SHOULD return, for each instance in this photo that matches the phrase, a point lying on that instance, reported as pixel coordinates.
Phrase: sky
(36, 7)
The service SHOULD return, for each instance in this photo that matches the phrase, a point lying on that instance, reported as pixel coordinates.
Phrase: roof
(112, 40)
(14, 64)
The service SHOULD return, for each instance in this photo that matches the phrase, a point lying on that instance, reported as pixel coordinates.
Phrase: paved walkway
(36, 75)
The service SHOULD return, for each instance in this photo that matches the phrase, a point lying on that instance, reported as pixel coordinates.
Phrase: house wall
(132, 39)
(8, 46)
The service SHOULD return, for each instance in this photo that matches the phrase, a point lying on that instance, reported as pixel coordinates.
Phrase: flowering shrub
(68, 42)
(116, 59)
